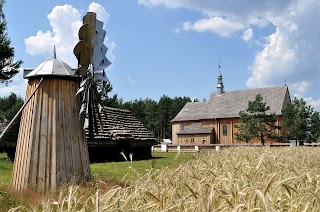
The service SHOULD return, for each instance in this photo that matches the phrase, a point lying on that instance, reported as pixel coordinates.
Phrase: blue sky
(173, 47)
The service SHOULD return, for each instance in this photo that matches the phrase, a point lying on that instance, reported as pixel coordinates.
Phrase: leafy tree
(301, 121)
(257, 123)
(8, 67)
(9, 106)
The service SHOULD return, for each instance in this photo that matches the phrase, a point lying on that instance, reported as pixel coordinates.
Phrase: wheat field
(234, 179)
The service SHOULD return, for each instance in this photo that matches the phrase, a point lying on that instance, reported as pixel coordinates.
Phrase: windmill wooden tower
(51, 148)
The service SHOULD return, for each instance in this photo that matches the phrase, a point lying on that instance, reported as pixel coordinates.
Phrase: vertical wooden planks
(53, 169)
(49, 137)
(28, 135)
(43, 139)
(29, 138)
(62, 155)
(52, 147)
(36, 138)
(18, 161)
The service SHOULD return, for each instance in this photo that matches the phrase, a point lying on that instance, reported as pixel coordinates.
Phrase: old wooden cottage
(122, 132)
(215, 121)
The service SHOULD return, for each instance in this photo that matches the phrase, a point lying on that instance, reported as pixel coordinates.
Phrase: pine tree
(8, 67)
(315, 126)
(257, 123)
(301, 121)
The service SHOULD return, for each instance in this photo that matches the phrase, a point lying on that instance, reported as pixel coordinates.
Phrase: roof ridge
(115, 108)
(251, 89)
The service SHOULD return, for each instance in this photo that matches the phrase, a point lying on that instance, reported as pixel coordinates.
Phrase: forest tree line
(302, 122)
(155, 115)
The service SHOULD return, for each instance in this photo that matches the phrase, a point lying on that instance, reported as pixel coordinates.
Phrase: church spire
(220, 82)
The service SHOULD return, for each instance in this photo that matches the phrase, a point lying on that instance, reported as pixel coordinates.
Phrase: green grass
(6, 200)
(118, 170)
(5, 169)
(113, 170)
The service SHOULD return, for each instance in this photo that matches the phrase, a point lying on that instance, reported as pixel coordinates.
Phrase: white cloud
(274, 62)
(291, 52)
(242, 8)
(102, 14)
(221, 26)
(247, 35)
(65, 22)
(131, 80)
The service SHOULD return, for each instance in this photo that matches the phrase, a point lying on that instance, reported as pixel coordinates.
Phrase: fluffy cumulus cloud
(65, 22)
(102, 14)
(289, 53)
(219, 25)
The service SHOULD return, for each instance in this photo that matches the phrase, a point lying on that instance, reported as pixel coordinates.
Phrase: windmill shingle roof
(230, 103)
(121, 125)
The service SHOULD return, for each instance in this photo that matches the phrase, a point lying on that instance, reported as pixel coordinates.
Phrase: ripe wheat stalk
(234, 179)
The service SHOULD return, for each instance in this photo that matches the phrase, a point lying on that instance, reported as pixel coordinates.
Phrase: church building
(215, 121)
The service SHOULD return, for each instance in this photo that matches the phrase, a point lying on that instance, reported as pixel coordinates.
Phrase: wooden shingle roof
(121, 125)
(230, 103)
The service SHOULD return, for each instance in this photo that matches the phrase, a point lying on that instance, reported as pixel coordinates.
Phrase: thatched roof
(230, 103)
(121, 125)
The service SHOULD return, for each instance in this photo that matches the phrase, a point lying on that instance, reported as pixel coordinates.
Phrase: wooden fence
(210, 147)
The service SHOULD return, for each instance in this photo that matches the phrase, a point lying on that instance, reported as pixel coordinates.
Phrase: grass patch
(5, 169)
(131, 170)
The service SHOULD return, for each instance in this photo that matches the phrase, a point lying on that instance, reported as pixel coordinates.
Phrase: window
(204, 141)
(224, 129)
(192, 140)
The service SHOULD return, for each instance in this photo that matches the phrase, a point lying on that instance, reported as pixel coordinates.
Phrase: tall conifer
(8, 67)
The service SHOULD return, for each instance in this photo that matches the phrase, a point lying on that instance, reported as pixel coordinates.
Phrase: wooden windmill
(51, 148)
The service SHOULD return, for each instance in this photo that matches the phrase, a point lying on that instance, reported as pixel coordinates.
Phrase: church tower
(220, 83)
